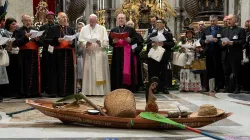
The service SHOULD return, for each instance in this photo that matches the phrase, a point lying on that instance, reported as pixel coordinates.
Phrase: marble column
(112, 16)
(171, 20)
(226, 8)
(245, 11)
(232, 4)
(89, 10)
(179, 18)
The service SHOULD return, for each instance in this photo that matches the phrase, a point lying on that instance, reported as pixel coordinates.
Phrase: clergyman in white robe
(96, 74)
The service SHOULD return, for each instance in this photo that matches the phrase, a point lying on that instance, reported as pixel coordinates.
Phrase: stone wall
(245, 11)
(17, 8)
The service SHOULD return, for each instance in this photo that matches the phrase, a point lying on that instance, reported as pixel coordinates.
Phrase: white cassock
(96, 74)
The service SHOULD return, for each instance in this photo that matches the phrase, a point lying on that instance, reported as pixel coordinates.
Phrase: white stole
(100, 33)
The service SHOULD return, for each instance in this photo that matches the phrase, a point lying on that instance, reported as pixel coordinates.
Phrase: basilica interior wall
(17, 8)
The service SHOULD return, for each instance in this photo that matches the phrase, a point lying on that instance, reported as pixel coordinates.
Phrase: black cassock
(159, 69)
(29, 63)
(61, 66)
(45, 59)
(118, 60)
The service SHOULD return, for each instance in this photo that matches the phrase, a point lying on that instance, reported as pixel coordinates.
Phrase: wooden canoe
(116, 122)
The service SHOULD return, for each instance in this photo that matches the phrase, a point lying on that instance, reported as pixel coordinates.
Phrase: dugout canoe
(67, 117)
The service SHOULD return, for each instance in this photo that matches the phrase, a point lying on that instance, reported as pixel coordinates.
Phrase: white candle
(102, 4)
(97, 4)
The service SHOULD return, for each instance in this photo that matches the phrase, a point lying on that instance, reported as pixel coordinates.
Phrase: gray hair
(130, 22)
(213, 17)
(235, 17)
(93, 15)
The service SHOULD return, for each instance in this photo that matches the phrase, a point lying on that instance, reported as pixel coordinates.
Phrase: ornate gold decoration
(206, 3)
(132, 9)
(101, 17)
(41, 12)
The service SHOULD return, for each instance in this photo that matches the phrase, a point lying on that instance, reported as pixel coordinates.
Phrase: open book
(114, 35)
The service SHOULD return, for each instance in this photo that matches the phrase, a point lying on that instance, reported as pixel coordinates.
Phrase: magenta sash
(126, 64)
(135, 62)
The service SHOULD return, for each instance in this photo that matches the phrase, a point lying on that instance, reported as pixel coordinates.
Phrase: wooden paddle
(159, 118)
(82, 96)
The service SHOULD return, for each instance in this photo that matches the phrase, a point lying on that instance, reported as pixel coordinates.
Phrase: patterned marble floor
(34, 124)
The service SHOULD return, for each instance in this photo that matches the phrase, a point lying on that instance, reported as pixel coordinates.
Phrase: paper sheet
(225, 39)
(209, 37)
(50, 49)
(69, 37)
(4, 40)
(158, 38)
(134, 46)
(35, 33)
(12, 39)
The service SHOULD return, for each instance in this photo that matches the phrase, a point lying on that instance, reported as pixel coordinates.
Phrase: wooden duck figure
(151, 105)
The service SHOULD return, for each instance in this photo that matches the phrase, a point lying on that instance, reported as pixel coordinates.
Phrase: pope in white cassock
(96, 75)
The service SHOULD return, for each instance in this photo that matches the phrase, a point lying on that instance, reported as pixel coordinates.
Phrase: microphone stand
(76, 50)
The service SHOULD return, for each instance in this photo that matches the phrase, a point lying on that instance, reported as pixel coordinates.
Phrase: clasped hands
(88, 44)
(227, 43)
(128, 39)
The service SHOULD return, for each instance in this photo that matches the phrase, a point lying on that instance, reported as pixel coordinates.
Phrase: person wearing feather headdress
(189, 80)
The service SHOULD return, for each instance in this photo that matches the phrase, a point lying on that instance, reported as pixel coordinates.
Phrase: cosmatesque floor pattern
(35, 125)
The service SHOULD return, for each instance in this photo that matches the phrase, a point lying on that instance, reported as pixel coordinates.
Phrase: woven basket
(120, 103)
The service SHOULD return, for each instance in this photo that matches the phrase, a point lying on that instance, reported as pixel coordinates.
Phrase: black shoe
(204, 90)
(165, 92)
(19, 97)
(237, 90)
(248, 92)
(52, 95)
(217, 89)
(225, 90)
